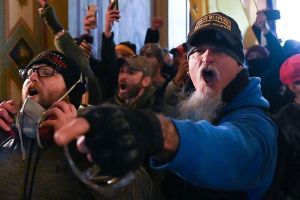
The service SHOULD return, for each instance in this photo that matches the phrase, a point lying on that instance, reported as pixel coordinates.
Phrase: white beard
(201, 106)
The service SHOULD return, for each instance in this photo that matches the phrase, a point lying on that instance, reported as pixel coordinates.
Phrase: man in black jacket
(33, 167)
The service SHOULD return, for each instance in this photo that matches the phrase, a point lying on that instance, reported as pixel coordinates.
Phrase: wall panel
(21, 38)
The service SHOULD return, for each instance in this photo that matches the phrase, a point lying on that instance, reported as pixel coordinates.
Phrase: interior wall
(20, 40)
(22, 36)
(160, 8)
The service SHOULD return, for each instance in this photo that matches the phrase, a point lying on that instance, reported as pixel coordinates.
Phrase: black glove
(49, 16)
(120, 139)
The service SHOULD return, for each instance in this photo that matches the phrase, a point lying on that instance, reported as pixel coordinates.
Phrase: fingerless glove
(120, 139)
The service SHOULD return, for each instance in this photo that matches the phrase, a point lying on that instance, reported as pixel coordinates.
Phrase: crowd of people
(205, 120)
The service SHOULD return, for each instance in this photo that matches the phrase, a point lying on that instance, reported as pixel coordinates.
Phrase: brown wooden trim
(11, 77)
(20, 22)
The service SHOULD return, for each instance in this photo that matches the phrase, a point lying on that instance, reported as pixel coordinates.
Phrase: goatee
(201, 106)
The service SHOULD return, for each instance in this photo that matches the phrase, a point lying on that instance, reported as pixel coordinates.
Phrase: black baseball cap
(220, 29)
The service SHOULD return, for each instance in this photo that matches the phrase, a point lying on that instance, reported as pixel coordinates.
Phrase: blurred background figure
(125, 49)
(290, 48)
(257, 59)
(154, 54)
(288, 119)
(177, 53)
(168, 58)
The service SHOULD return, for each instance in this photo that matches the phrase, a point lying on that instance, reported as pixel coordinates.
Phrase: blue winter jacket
(239, 153)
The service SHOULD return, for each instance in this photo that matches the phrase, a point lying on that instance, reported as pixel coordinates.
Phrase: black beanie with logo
(69, 70)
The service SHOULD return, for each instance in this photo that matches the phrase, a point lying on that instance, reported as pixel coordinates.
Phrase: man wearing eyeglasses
(32, 166)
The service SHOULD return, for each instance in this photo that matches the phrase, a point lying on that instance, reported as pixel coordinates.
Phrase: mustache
(30, 84)
(123, 85)
(209, 74)
(209, 71)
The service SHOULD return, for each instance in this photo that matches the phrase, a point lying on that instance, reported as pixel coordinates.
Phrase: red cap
(290, 70)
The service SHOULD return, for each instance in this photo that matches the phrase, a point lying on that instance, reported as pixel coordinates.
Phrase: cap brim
(205, 35)
(127, 60)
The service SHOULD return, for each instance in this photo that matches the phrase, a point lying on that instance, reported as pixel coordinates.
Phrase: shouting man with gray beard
(201, 105)
(225, 148)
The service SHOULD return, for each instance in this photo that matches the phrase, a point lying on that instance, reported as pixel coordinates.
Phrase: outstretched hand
(72, 130)
(113, 138)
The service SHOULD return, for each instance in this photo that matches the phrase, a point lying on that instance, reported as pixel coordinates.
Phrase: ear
(146, 81)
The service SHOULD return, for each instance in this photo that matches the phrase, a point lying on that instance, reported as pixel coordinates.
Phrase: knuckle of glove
(120, 163)
(115, 161)
(113, 147)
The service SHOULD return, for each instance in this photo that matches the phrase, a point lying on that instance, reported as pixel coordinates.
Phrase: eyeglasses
(42, 71)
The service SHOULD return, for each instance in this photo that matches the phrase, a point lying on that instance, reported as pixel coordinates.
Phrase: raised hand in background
(111, 16)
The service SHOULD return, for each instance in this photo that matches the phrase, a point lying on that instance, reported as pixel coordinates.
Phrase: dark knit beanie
(260, 49)
(69, 70)
(218, 28)
(131, 45)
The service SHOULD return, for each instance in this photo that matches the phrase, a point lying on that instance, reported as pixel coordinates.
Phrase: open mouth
(32, 91)
(210, 76)
(123, 86)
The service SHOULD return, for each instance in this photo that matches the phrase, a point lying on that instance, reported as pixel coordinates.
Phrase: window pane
(288, 26)
(178, 22)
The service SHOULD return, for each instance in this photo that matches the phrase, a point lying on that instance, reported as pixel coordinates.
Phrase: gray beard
(200, 106)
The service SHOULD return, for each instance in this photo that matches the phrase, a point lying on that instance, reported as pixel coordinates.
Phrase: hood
(251, 96)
